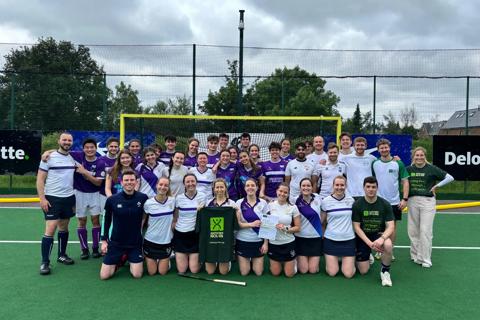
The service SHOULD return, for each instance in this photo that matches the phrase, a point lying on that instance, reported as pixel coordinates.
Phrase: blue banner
(401, 144)
(103, 136)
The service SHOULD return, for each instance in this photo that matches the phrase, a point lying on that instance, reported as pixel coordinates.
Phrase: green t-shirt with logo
(216, 240)
(372, 216)
(423, 179)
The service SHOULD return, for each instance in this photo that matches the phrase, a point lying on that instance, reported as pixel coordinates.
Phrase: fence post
(374, 103)
(12, 102)
(467, 102)
(240, 64)
(194, 58)
(104, 102)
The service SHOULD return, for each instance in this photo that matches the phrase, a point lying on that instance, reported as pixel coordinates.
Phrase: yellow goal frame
(124, 116)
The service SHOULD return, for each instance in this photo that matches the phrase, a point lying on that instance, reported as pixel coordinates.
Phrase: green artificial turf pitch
(450, 289)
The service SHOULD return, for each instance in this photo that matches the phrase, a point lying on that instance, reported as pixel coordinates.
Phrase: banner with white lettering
(19, 151)
(458, 155)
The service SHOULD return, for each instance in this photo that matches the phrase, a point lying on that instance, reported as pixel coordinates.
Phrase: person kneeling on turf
(373, 223)
(124, 212)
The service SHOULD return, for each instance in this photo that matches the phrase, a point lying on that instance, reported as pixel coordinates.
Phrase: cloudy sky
(398, 26)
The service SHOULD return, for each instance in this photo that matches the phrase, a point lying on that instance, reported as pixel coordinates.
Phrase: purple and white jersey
(274, 173)
(250, 214)
(95, 168)
(190, 161)
(60, 169)
(213, 159)
(311, 226)
(187, 211)
(204, 180)
(160, 217)
(288, 157)
(149, 178)
(165, 157)
(137, 159)
(107, 165)
(242, 175)
(228, 174)
(326, 173)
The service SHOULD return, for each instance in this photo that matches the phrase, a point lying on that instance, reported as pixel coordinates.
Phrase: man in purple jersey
(170, 145)
(108, 161)
(86, 182)
(134, 146)
(223, 141)
(274, 172)
(212, 153)
(245, 140)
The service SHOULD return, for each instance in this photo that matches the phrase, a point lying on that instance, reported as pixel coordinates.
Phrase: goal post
(295, 128)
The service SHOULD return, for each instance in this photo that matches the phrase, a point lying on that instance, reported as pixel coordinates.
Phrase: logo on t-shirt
(216, 224)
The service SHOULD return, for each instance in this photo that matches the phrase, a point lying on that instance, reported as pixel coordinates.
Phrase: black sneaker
(45, 268)
(95, 253)
(65, 260)
(85, 254)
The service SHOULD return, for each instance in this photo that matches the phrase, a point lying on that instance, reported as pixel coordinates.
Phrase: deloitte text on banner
(458, 155)
(19, 151)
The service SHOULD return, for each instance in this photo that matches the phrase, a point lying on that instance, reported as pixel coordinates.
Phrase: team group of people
(342, 204)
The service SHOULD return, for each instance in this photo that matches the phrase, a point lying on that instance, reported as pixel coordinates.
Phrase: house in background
(429, 129)
(456, 124)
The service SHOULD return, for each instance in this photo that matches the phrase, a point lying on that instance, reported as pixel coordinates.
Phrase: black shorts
(60, 208)
(248, 249)
(115, 253)
(156, 251)
(339, 248)
(397, 213)
(282, 252)
(308, 247)
(363, 251)
(185, 242)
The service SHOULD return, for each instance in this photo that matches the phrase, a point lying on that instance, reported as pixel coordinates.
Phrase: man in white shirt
(319, 156)
(57, 200)
(324, 174)
(359, 166)
(296, 170)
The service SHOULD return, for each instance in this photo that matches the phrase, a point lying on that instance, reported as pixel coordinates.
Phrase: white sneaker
(386, 280)
(378, 255)
(371, 259)
(426, 265)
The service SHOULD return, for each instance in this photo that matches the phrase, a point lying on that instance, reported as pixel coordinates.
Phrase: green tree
(179, 105)
(291, 92)
(56, 86)
(125, 100)
(355, 123)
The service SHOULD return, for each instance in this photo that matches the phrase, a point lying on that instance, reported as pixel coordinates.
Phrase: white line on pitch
(397, 247)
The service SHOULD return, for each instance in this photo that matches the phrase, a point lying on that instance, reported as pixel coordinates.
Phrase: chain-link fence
(386, 85)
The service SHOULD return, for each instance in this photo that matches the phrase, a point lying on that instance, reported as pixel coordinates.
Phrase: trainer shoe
(426, 265)
(45, 268)
(85, 254)
(371, 259)
(65, 260)
(95, 253)
(386, 280)
(378, 255)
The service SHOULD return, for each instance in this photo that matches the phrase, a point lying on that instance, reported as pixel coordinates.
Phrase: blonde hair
(420, 149)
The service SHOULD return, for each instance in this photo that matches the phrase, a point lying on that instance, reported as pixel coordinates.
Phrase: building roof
(432, 128)
(458, 118)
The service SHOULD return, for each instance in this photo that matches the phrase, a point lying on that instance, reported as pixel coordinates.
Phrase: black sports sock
(385, 268)
(47, 244)
(62, 242)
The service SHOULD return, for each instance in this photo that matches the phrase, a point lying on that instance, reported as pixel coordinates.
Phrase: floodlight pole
(241, 26)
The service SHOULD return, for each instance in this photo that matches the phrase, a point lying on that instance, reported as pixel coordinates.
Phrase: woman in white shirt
(339, 238)
(281, 250)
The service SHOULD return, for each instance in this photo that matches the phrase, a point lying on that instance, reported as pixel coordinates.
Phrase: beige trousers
(421, 213)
